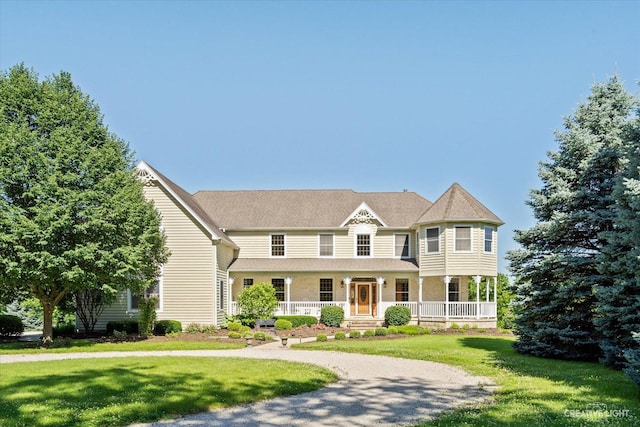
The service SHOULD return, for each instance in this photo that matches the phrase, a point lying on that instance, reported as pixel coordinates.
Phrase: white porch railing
(428, 309)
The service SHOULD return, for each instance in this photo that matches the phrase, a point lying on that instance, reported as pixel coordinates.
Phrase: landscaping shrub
(397, 315)
(164, 327)
(128, 326)
(332, 316)
(234, 335)
(196, 328)
(299, 320)
(120, 336)
(354, 334)
(392, 330)
(258, 301)
(412, 330)
(321, 337)
(260, 336)
(10, 326)
(381, 332)
(64, 330)
(234, 326)
(369, 333)
(147, 315)
(283, 325)
(340, 335)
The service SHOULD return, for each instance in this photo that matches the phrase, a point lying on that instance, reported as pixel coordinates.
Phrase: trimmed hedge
(332, 316)
(283, 325)
(369, 333)
(397, 315)
(355, 334)
(164, 327)
(66, 330)
(299, 320)
(321, 337)
(340, 335)
(10, 326)
(128, 326)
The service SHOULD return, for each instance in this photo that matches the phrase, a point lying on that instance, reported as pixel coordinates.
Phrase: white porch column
(380, 281)
(287, 282)
(420, 280)
(478, 278)
(230, 281)
(347, 283)
(447, 280)
(487, 288)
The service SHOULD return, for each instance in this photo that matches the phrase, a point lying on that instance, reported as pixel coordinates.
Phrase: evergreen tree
(557, 267)
(618, 314)
(72, 213)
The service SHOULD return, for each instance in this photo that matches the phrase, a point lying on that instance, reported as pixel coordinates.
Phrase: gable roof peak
(457, 204)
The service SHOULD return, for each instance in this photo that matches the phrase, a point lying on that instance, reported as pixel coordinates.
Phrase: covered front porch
(433, 301)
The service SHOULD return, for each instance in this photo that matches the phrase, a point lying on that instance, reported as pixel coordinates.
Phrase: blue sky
(373, 96)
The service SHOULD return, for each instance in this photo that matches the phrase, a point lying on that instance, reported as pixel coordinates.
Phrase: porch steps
(364, 324)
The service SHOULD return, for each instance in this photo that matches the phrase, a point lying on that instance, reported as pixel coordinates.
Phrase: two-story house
(363, 252)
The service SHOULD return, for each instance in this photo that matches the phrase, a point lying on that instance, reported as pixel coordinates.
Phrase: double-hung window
(488, 239)
(278, 285)
(277, 245)
(432, 238)
(153, 291)
(326, 289)
(247, 283)
(363, 245)
(454, 290)
(463, 238)
(325, 243)
(401, 245)
(402, 289)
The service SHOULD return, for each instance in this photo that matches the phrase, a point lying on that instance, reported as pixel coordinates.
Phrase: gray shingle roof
(456, 204)
(306, 208)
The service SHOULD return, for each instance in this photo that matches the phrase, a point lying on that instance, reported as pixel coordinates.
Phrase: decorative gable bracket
(363, 215)
(145, 174)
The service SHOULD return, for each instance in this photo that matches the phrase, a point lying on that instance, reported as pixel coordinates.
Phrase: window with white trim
(325, 245)
(134, 299)
(432, 238)
(363, 245)
(401, 242)
(222, 295)
(488, 239)
(278, 285)
(402, 289)
(326, 289)
(462, 238)
(277, 245)
(454, 289)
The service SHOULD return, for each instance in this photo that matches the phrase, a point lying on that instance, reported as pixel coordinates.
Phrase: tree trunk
(47, 325)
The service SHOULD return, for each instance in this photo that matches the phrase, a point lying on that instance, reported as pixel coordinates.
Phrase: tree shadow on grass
(110, 392)
(552, 392)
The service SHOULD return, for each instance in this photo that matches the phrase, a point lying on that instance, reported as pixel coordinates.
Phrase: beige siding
(224, 256)
(253, 244)
(188, 277)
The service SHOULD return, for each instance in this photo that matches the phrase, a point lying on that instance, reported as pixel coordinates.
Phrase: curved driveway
(371, 390)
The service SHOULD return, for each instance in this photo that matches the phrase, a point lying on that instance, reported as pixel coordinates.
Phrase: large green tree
(72, 213)
(556, 269)
(618, 303)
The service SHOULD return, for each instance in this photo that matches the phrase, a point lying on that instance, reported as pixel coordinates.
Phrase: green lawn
(533, 391)
(87, 346)
(117, 392)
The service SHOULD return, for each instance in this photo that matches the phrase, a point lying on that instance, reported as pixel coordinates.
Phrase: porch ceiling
(323, 264)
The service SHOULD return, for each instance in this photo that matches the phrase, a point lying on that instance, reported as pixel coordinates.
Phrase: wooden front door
(364, 298)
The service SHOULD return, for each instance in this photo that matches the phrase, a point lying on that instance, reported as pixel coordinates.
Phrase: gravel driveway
(372, 390)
